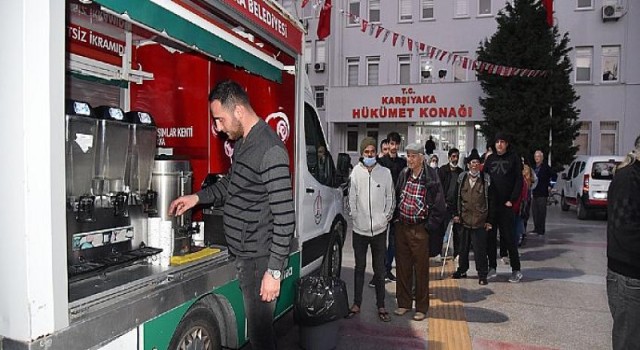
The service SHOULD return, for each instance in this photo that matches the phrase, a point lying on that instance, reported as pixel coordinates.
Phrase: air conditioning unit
(319, 67)
(612, 10)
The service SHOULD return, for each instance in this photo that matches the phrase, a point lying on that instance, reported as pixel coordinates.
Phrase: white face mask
(433, 165)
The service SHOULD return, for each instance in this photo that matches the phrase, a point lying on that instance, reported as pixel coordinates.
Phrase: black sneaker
(458, 275)
(390, 277)
(372, 284)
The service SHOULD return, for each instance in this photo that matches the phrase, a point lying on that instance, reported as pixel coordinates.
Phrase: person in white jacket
(371, 203)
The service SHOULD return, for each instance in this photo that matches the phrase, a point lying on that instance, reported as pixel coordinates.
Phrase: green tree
(521, 106)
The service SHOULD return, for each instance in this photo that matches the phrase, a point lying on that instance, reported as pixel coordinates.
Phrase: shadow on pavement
(542, 254)
(546, 273)
(482, 315)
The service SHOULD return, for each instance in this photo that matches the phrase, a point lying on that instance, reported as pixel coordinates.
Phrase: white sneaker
(438, 258)
(492, 273)
(516, 276)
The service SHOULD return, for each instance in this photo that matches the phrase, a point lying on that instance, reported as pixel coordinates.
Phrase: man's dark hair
(383, 142)
(394, 136)
(452, 151)
(230, 94)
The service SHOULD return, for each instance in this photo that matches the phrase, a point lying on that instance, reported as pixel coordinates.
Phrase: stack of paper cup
(166, 243)
(153, 238)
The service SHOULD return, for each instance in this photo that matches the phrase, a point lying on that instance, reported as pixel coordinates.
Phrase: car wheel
(197, 330)
(583, 213)
(563, 203)
(332, 265)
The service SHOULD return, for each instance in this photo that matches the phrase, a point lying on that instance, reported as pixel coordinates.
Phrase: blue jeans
(259, 314)
(624, 302)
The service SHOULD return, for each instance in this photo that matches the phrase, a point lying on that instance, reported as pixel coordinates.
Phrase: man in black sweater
(395, 164)
(623, 252)
(259, 217)
(505, 168)
(448, 175)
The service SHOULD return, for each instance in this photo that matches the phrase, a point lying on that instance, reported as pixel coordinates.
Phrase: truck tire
(332, 264)
(198, 329)
(563, 203)
(582, 211)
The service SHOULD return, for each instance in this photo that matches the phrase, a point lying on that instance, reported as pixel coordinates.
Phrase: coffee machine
(109, 156)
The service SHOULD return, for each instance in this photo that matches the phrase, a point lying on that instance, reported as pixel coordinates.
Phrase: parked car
(585, 184)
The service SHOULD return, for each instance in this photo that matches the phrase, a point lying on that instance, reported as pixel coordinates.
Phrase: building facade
(368, 83)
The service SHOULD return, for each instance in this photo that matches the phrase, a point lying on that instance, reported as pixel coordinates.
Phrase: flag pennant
(442, 54)
(465, 62)
(402, 39)
(324, 22)
(410, 44)
(372, 28)
(395, 39)
(432, 51)
(386, 35)
(379, 31)
(364, 24)
(304, 3)
(422, 46)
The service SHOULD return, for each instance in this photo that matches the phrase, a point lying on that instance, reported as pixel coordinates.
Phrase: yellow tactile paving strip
(447, 322)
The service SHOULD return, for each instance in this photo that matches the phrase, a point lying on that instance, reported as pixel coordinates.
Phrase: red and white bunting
(433, 52)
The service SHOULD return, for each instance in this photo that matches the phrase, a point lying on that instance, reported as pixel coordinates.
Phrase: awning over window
(177, 23)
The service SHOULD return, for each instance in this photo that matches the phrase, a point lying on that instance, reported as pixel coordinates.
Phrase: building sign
(270, 20)
(95, 40)
(409, 104)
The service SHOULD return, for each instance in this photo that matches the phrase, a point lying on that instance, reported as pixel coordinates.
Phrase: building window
(610, 63)
(321, 54)
(425, 69)
(459, 73)
(354, 10)
(373, 70)
(484, 7)
(584, 61)
(352, 141)
(584, 4)
(318, 92)
(461, 8)
(582, 141)
(374, 11)
(404, 69)
(405, 10)
(426, 9)
(353, 63)
(608, 138)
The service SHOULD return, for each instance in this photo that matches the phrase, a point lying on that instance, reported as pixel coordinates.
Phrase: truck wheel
(583, 213)
(197, 330)
(332, 265)
(563, 203)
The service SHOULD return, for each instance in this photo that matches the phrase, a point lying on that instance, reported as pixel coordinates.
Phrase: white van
(586, 182)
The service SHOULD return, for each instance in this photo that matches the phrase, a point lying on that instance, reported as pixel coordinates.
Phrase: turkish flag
(304, 3)
(548, 5)
(324, 23)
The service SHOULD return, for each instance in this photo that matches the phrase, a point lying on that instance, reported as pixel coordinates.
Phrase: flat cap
(414, 147)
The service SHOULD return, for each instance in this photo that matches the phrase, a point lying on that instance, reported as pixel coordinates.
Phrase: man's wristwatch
(276, 274)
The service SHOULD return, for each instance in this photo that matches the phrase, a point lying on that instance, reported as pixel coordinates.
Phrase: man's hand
(487, 226)
(270, 288)
(508, 204)
(180, 205)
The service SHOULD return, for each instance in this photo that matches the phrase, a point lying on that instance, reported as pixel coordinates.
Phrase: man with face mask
(448, 174)
(371, 204)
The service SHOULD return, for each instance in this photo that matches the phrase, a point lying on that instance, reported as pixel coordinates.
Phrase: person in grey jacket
(258, 206)
(371, 204)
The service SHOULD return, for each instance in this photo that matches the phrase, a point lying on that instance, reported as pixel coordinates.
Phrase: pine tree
(521, 106)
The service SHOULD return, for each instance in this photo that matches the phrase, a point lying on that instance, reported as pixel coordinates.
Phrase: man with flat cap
(505, 168)
(473, 207)
(419, 212)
